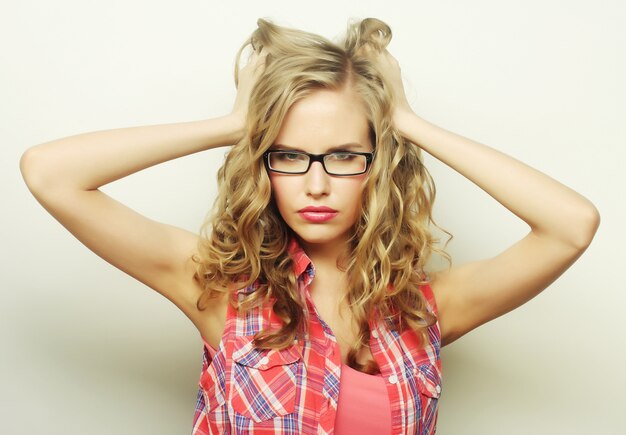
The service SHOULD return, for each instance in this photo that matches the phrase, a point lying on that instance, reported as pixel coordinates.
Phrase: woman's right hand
(248, 76)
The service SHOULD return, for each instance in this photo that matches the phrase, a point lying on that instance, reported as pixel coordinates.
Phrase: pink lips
(317, 214)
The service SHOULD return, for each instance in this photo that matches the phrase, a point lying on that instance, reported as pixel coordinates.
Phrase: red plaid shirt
(295, 390)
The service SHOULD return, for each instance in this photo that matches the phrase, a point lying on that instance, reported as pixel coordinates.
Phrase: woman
(310, 274)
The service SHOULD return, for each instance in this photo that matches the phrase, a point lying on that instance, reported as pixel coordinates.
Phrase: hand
(390, 69)
(248, 76)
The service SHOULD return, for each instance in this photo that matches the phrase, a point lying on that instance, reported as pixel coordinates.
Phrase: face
(324, 120)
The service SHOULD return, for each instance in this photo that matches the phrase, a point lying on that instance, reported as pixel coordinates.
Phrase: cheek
(280, 190)
(353, 192)
(355, 186)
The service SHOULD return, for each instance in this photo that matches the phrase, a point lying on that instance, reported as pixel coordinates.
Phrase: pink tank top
(363, 406)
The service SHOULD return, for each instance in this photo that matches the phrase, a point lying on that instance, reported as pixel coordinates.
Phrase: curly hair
(244, 240)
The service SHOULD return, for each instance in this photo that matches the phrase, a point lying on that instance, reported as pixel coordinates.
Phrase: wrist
(237, 126)
(402, 119)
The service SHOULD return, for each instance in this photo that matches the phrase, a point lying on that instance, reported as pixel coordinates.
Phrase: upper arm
(154, 253)
(475, 293)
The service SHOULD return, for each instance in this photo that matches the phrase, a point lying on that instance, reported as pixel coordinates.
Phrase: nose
(317, 181)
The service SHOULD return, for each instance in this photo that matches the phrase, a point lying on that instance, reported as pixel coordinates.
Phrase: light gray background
(86, 349)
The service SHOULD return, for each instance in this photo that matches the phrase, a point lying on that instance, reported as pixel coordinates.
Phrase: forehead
(326, 119)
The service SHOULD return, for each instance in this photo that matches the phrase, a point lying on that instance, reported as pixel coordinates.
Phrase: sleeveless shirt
(296, 390)
(363, 406)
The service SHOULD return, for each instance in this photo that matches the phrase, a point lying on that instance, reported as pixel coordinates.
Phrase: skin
(65, 175)
(323, 120)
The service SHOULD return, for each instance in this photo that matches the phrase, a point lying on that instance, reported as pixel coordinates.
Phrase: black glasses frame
(318, 158)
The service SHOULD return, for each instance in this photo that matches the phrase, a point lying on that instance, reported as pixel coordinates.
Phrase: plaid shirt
(295, 390)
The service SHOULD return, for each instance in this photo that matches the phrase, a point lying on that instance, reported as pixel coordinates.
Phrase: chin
(320, 236)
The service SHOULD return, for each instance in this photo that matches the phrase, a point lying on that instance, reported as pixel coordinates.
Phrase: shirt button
(374, 333)
(264, 360)
(393, 379)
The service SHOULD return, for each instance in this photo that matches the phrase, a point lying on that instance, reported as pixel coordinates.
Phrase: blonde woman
(308, 283)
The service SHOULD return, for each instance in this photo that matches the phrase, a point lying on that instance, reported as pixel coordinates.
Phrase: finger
(258, 61)
(257, 55)
(364, 50)
(255, 60)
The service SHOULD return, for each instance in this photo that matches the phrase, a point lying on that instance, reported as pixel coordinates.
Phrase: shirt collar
(300, 260)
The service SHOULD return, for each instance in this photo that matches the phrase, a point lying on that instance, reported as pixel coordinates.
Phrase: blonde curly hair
(244, 240)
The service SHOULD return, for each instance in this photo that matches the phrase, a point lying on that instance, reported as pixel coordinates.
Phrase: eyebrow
(345, 146)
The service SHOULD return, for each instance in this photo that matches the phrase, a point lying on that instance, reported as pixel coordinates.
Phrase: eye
(343, 156)
(290, 157)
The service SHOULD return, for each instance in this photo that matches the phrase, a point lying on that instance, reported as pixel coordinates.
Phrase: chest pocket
(264, 382)
(428, 380)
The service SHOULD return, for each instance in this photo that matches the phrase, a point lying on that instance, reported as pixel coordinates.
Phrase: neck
(324, 256)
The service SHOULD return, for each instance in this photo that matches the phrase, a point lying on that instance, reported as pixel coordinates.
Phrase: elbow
(587, 226)
(28, 168)
(574, 230)
(33, 169)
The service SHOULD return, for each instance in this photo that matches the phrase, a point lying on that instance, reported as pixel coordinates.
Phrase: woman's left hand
(390, 69)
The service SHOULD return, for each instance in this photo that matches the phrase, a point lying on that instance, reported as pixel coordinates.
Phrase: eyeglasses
(341, 163)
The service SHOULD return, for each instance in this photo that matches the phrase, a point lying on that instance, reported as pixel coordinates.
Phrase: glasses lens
(345, 163)
(288, 162)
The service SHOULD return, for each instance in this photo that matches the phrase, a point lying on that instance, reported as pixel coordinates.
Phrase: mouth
(319, 209)
(317, 216)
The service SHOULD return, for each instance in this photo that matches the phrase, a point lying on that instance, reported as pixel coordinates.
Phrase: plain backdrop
(85, 349)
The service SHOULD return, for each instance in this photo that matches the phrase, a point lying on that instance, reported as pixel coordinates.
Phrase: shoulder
(429, 294)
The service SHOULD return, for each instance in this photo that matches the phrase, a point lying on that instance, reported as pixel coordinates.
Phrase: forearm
(90, 160)
(547, 206)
